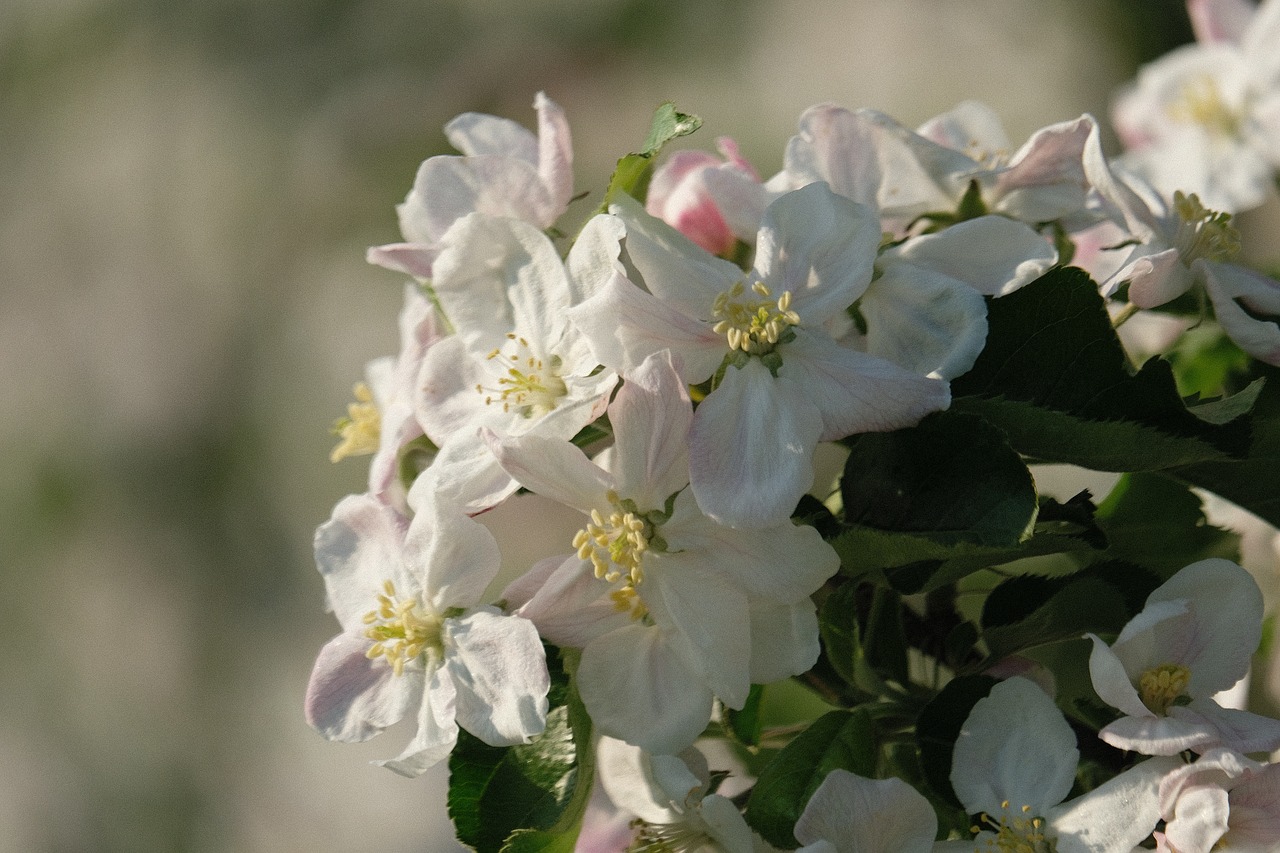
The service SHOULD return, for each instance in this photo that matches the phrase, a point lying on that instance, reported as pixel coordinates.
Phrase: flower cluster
(938, 309)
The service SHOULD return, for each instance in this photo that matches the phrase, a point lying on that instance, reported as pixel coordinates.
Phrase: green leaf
(917, 563)
(1156, 522)
(952, 476)
(744, 726)
(1029, 611)
(1251, 481)
(939, 724)
(839, 739)
(634, 171)
(1054, 377)
(542, 785)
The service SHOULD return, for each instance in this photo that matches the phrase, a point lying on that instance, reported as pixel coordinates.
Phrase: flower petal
(1115, 816)
(437, 730)
(499, 669)
(871, 815)
(352, 698)
(651, 417)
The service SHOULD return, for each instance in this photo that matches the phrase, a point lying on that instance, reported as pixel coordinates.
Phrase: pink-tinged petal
(861, 815)
(991, 254)
(437, 729)
(352, 698)
(637, 689)
(924, 321)
(680, 594)
(1255, 812)
(1114, 817)
(357, 550)
(971, 127)
(751, 448)
(1016, 747)
(917, 174)
(678, 196)
(1227, 606)
(1118, 199)
(1239, 296)
(555, 151)
(837, 146)
(1159, 735)
(1242, 731)
(857, 392)
(754, 557)
(1112, 682)
(784, 640)
(625, 325)
(1157, 279)
(1045, 179)
(455, 556)
(819, 246)
(571, 607)
(671, 266)
(483, 135)
(651, 417)
(553, 468)
(740, 198)
(499, 669)
(448, 188)
(1220, 20)
(1196, 809)
(1258, 45)
(414, 259)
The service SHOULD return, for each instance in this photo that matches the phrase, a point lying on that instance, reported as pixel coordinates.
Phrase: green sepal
(744, 725)
(838, 739)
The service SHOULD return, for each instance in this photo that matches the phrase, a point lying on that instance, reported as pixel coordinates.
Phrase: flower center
(754, 326)
(1201, 102)
(668, 838)
(616, 544)
(526, 382)
(1203, 233)
(360, 430)
(1161, 686)
(1013, 832)
(400, 630)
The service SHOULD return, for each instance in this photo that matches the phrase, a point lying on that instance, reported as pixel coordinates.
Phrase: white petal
(455, 556)
(819, 246)
(1242, 731)
(573, 607)
(1114, 817)
(357, 550)
(1045, 179)
(593, 260)
(627, 775)
(555, 151)
(751, 448)
(1015, 746)
(924, 322)
(499, 669)
(1160, 735)
(352, 698)
(857, 392)
(862, 815)
(437, 730)
(992, 254)
(651, 417)
(553, 468)
(480, 134)
(837, 146)
(448, 188)
(1233, 289)
(1112, 682)
(726, 824)
(638, 690)
(1157, 278)
(784, 640)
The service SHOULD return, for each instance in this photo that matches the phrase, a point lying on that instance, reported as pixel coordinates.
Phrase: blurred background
(187, 189)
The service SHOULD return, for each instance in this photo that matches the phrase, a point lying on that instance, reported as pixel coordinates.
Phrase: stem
(1124, 315)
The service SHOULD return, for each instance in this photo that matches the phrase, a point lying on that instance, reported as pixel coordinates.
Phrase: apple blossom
(1193, 639)
(1223, 802)
(413, 639)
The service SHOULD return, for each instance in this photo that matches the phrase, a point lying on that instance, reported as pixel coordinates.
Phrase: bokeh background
(187, 189)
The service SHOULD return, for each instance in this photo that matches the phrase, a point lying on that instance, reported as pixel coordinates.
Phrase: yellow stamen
(1200, 102)
(616, 546)
(400, 630)
(1203, 233)
(360, 429)
(753, 326)
(529, 384)
(1159, 687)
(1016, 832)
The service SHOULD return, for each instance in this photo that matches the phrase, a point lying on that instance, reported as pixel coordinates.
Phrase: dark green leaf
(1054, 377)
(952, 476)
(839, 739)
(543, 785)
(939, 724)
(1030, 611)
(1156, 522)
